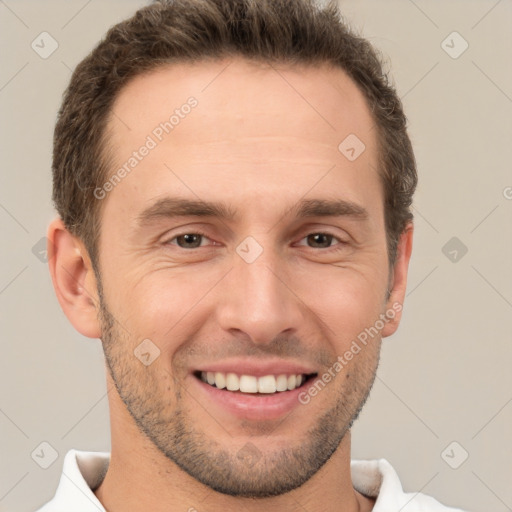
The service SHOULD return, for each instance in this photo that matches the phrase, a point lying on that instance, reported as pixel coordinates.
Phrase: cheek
(347, 300)
(164, 306)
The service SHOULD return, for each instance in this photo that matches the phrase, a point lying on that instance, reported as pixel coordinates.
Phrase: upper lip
(258, 368)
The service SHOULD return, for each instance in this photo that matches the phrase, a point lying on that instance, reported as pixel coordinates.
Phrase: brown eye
(320, 240)
(188, 240)
(325, 242)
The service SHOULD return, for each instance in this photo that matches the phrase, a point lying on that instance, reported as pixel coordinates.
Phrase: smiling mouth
(250, 384)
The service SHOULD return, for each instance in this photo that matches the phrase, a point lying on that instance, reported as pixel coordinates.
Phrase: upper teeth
(252, 384)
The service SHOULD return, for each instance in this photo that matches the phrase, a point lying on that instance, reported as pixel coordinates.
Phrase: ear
(398, 282)
(73, 279)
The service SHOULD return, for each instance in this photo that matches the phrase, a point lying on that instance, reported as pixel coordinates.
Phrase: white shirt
(83, 472)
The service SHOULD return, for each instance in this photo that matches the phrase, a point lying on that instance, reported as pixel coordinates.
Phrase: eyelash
(337, 247)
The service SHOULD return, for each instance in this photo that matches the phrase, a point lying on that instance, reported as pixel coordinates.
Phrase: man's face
(266, 291)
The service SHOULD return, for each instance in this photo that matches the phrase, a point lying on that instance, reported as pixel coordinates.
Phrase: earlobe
(73, 279)
(398, 284)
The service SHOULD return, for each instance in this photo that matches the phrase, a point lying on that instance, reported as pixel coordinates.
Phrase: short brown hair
(296, 32)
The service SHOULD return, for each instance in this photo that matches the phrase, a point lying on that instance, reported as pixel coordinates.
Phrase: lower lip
(259, 407)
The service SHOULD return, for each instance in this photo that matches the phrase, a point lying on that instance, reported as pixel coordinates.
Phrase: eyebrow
(170, 207)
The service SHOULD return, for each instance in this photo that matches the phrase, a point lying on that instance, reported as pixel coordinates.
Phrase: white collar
(83, 472)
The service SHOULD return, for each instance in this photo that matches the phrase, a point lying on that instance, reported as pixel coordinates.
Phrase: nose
(258, 299)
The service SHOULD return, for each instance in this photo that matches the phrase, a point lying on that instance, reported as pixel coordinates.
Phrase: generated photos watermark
(356, 346)
(156, 136)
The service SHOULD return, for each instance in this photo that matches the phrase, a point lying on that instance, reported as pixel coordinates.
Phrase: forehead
(266, 128)
(252, 94)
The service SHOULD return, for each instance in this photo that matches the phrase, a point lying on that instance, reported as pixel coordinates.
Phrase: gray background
(444, 376)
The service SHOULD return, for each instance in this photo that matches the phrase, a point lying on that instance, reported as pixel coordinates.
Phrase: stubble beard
(155, 401)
